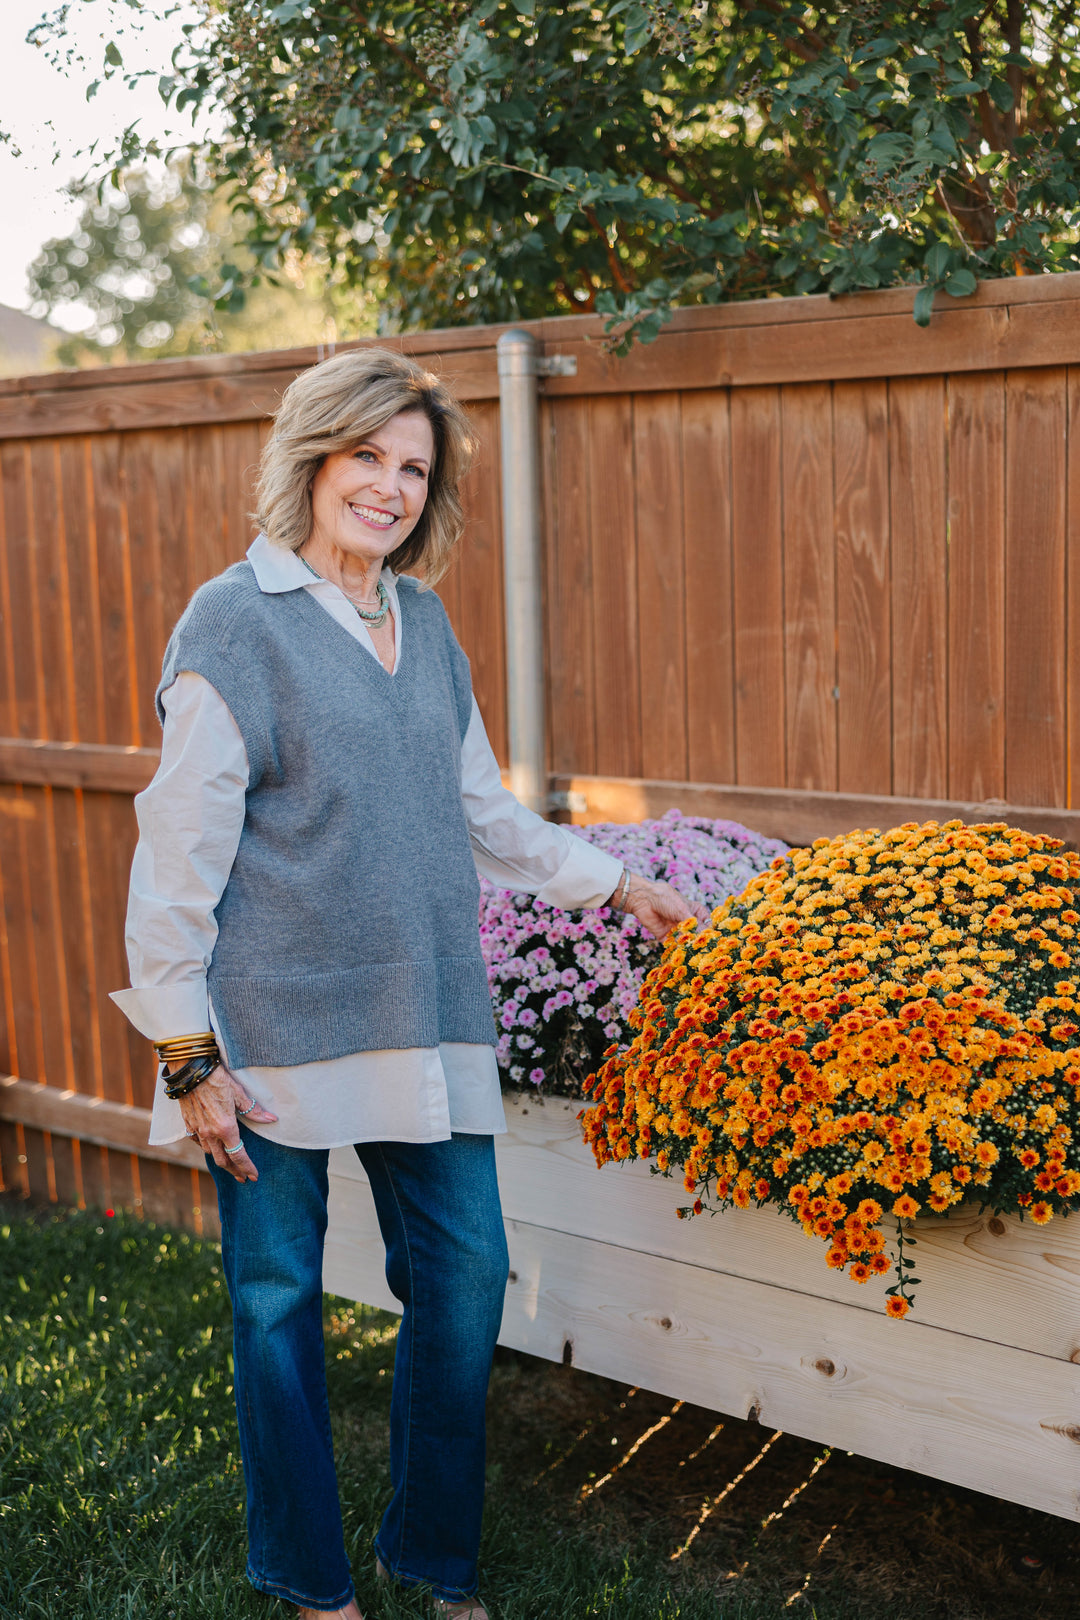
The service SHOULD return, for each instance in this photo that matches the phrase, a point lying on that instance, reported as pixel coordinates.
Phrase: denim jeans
(446, 1261)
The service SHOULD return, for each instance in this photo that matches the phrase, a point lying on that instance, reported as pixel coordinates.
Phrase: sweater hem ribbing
(281, 1021)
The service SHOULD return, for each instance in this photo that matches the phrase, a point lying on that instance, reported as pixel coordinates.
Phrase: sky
(50, 119)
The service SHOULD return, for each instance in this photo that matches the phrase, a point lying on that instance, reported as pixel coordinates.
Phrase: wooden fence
(806, 565)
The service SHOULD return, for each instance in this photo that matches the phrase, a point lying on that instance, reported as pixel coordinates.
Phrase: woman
(304, 953)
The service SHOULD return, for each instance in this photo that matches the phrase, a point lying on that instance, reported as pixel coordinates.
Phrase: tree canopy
(499, 159)
(137, 270)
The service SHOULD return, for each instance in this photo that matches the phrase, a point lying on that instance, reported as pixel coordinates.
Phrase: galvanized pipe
(520, 437)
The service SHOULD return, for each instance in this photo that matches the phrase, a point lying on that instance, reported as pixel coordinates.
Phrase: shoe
(445, 1608)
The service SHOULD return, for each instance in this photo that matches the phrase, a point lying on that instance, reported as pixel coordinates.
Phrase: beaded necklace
(374, 618)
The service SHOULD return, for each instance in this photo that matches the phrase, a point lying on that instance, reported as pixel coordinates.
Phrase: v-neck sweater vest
(350, 919)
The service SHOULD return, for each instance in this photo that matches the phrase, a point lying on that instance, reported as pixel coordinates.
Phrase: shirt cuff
(165, 1011)
(586, 879)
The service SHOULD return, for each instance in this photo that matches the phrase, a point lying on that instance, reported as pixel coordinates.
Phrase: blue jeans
(446, 1261)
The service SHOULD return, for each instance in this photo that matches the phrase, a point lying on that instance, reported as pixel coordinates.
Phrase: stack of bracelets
(198, 1055)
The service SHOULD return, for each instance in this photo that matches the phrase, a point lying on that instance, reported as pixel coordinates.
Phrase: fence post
(520, 440)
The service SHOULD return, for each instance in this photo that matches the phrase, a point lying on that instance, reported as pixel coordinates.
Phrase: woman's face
(366, 502)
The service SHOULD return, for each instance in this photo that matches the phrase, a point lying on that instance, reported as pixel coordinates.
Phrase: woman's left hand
(658, 906)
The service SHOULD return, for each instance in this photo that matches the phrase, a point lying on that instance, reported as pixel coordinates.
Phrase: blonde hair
(332, 408)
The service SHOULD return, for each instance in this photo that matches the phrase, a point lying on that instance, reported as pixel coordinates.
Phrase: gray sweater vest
(349, 921)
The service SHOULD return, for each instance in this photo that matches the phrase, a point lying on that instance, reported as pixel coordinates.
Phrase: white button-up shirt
(190, 820)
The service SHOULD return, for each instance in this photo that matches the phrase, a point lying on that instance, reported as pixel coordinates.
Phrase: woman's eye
(418, 471)
(360, 455)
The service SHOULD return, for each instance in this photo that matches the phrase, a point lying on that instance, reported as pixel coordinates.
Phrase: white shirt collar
(278, 569)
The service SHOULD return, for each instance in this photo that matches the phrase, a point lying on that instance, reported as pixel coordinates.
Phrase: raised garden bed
(981, 1386)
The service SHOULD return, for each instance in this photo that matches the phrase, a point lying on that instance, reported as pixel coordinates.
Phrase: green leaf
(112, 54)
(924, 304)
(940, 260)
(961, 284)
(1001, 95)
(638, 30)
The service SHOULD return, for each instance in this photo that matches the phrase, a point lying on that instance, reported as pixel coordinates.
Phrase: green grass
(121, 1496)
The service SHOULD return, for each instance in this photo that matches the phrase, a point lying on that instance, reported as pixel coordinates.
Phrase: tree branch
(392, 45)
(617, 274)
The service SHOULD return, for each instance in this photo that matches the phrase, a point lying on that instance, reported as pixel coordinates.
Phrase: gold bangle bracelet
(186, 1046)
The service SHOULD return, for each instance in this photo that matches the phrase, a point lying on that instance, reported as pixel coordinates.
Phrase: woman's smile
(372, 515)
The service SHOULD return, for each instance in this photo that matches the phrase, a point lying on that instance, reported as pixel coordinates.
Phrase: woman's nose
(385, 482)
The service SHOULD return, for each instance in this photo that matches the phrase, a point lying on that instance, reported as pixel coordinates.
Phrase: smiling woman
(304, 897)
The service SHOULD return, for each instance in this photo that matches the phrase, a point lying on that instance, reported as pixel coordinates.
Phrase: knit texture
(349, 921)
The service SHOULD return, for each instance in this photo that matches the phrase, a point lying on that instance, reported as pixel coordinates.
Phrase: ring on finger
(239, 1148)
(240, 1112)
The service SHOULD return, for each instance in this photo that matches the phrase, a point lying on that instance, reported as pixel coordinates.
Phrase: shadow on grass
(121, 1496)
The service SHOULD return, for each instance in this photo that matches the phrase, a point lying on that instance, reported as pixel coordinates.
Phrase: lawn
(121, 1494)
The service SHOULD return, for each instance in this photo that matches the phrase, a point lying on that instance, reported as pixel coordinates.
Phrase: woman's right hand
(210, 1117)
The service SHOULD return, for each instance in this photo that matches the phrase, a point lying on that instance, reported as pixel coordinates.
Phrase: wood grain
(976, 458)
(91, 1119)
(482, 629)
(758, 586)
(1035, 584)
(1072, 605)
(710, 637)
(799, 817)
(661, 582)
(615, 613)
(570, 585)
(810, 673)
(863, 587)
(1009, 1283)
(919, 563)
(101, 767)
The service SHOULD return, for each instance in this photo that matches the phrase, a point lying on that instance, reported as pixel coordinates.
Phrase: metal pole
(519, 433)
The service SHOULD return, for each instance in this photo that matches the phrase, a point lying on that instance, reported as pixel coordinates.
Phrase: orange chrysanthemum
(880, 1022)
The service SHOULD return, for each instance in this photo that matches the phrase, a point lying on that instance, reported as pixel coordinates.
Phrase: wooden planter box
(739, 1313)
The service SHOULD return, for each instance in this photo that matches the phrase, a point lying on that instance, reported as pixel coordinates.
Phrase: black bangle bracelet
(191, 1075)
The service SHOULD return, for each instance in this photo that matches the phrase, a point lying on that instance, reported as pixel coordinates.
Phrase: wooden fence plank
(100, 766)
(863, 601)
(206, 552)
(83, 612)
(710, 627)
(798, 817)
(1072, 572)
(758, 586)
(919, 572)
(661, 582)
(810, 673)
(46, 547)
(26, 699)
(150, 625)
(1035, 584)
(570, 585)
(481, 626)
(771, 341)
(122, 1127)
(119, 673)
(615, 632)
(242, 448)
(976, 456)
